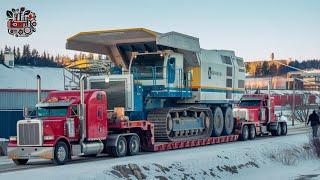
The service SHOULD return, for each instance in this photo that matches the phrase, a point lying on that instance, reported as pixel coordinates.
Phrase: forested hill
(271, 68)
(28, 57)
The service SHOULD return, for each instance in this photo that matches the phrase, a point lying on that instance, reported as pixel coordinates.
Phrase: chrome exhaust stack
(39, 88)
(82, 110)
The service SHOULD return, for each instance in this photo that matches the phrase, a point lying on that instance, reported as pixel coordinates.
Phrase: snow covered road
(240, 160)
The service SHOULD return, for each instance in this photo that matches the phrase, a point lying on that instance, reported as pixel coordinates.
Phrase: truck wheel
(218, 122)
(20, 161)
(276, 132)
(252, 132)
(61, 153)
(133, 145)
(245, 133)
(228, 121)
(284, 129)
(120, 149)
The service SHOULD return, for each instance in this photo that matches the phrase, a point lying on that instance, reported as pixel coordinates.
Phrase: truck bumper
(30, 152)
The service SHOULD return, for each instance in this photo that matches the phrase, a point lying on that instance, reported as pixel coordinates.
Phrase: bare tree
(304, 109)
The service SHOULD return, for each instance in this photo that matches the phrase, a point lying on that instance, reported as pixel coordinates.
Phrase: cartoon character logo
(21, 22)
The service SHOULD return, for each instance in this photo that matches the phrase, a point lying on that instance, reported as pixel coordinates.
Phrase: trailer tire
(284, 129)
(61, 153)
(228, 121)
(133, 145)
(244, 133)
(19, 162)
(252, 132)
(120, 149)
(277, 132)
(218, 122)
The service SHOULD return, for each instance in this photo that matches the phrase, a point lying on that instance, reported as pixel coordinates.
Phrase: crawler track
(159, 117)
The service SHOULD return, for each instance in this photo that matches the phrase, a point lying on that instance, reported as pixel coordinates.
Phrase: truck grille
(29, 134)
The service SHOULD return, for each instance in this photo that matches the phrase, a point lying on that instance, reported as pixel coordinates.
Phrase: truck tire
(20, 161)
(277, 132)
(252, 132)
(218, 122)
(228, 121)
(284, 129)
(244, 133)
(133, 145)
(120, 149)
(61, 153)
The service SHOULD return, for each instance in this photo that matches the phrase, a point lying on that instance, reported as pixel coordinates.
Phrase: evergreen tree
(14, 53)
(34, 53)
(265, 68)
(1, 56)
(26, 51)
(258, 71)
(44, 55)
(273, 69)
(18, 53)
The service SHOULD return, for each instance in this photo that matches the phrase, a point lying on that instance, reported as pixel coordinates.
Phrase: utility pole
(293, 101)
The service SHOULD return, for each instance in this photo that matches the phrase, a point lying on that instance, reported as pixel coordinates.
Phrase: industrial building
(18, 89)
(308, 80)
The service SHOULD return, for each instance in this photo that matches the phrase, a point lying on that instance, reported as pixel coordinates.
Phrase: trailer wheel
(252, 132)
(61, 153)
(120, 149)
(133, 145)
(218, 122)
(228, 121)
(284, 129)
(20, 161)
(277, 132)
(245, 133)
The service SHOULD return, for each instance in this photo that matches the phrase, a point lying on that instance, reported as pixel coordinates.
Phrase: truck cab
(55, 120)
(256, 108)
(256, 116)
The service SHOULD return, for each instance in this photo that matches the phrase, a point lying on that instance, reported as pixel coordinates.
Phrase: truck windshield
(52, 111)
(249, 103)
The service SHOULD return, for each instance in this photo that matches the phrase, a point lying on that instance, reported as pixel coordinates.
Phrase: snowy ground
(284, 157)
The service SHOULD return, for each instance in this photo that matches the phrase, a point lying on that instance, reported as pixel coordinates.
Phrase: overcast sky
(253, 28)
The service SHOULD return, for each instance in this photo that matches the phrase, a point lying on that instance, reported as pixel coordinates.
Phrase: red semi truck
(69, 123)
(256, 116)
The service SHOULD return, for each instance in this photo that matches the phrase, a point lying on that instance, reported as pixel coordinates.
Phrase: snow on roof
(24, 77)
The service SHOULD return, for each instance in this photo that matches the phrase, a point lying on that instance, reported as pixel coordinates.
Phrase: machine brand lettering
(212, 72)
(21, 22)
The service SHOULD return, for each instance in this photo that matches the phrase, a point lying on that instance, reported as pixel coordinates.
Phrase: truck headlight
(13, 138)
(48, 138)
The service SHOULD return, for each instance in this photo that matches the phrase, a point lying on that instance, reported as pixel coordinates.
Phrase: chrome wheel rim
(62, 153)
(245, 133)
(122, 146)
(134, 146)
(253, 132)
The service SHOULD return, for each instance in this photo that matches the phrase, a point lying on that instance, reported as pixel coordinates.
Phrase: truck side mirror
(25, 112)
(29, 112)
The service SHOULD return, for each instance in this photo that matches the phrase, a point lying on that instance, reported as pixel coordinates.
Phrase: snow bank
(238, 160)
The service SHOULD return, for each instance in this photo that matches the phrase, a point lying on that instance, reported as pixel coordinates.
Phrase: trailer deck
(165, 146)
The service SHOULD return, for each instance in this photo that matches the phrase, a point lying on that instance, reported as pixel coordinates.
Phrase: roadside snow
(239, 160)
